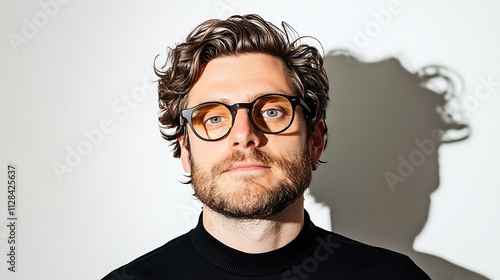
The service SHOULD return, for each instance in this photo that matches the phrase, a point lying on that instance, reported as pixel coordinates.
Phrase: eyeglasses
(270, 113)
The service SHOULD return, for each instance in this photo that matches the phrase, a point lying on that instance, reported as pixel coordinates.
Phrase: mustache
(238, 156)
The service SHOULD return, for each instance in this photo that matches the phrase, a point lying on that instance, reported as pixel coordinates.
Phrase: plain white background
(69, 68)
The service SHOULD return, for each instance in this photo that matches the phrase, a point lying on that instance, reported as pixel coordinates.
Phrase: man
(244, 106)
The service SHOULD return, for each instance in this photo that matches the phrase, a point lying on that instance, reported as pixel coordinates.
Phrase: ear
(184, 155)
(317, 143)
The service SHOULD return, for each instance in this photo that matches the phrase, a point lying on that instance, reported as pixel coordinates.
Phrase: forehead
(240, 78)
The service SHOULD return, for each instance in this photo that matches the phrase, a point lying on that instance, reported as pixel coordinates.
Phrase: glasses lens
(211, 121)
(272, 113)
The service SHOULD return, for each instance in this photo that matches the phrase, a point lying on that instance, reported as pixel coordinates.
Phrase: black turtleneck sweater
(314, 254)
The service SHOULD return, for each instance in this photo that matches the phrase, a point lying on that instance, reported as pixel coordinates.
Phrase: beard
(250, 196)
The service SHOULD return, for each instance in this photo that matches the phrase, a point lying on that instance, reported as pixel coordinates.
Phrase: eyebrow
(222, 100)
(249, 98)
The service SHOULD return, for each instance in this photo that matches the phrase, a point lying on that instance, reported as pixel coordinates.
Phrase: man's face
(249, 174)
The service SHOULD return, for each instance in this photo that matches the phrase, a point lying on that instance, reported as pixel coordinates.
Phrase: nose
(243, 134)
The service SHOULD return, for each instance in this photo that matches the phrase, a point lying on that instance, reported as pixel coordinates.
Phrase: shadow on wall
(386, 125)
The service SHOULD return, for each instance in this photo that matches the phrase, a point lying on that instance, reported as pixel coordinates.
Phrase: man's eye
(272, 113)
(214, 120)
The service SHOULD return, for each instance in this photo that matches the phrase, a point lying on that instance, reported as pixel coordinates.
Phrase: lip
(247, 166)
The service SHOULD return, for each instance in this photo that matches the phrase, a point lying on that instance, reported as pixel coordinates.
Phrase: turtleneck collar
(240, 263)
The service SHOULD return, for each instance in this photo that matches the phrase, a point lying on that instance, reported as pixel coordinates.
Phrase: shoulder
(157, 261)
(367, 260)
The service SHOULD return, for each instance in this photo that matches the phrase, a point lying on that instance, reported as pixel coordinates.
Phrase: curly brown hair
(237, 35)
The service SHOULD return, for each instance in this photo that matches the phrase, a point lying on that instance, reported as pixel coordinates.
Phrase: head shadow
(386, 125)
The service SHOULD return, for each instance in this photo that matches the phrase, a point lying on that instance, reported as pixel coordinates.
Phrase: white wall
(74, 67)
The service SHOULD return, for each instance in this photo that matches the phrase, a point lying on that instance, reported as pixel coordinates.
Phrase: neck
(256, 235)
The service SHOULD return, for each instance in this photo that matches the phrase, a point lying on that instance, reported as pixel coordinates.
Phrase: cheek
(303, 142)
(204, 154)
